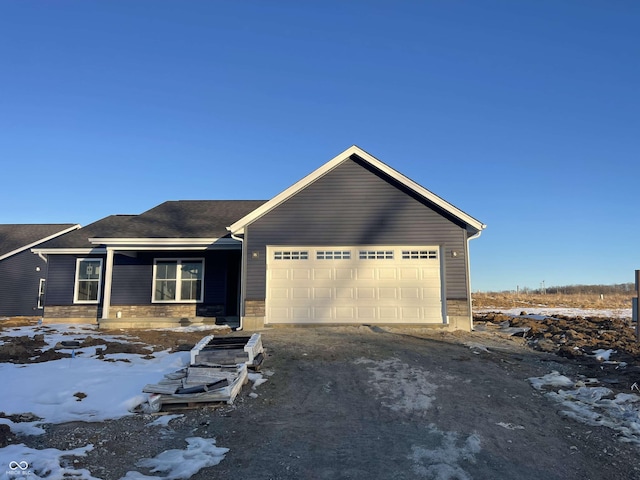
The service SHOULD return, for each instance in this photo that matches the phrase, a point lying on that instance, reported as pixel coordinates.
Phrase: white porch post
(108, 274)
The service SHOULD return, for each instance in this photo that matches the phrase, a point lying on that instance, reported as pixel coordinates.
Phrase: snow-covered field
(86, 388)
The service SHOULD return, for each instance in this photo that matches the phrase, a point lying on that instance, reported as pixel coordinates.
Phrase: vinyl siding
(133, 277)
(19, 283)
(355, 205)
(61, 279)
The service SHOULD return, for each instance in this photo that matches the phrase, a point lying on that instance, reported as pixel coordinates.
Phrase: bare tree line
(619, 288)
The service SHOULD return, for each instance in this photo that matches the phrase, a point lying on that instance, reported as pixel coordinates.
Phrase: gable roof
(473, 225)
(15, 238)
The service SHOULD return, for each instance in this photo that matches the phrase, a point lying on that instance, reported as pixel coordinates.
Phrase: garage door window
(333, 255)
(291, 255)
(376, 254)
(419, 254)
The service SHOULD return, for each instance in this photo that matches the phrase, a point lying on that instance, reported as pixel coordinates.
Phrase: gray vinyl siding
(61, 279)
(133, 277)
(19, 284)
(355, 205)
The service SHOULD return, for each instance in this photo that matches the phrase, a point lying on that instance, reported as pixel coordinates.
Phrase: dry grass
(578, 300)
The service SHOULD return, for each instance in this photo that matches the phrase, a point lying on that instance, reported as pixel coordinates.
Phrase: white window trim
(76, 283)
(178, 280)
(41, 286)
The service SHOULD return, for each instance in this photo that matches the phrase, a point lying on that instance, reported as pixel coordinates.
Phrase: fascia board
(238, 227)
(153, 241)
(38, 242)
(68, 251)
(166, 243)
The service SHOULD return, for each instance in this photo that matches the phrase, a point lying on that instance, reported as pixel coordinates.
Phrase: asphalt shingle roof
(172, 219)
(17, 236)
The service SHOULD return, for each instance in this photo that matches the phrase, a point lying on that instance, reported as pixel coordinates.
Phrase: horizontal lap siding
(133, 277)
(60, 279)
(19, 284)
(352, 205)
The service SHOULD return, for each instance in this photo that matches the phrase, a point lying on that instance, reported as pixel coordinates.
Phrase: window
(291, 255)
(88, 278)
(376, 254)
(178, 280)
(41, 293)
(333, 255)
(419, 254)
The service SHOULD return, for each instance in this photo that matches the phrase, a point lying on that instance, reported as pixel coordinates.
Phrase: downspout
(42, 257)
(242, 257)
(475, 235)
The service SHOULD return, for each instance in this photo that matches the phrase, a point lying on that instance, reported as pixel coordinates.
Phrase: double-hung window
(178, 280)
(88, 280)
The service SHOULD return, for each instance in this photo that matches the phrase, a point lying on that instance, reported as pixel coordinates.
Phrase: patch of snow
(181, 464)
(443, 462)
(164, 420)
(21, 461)
(602, 354)
(597, 406)
(401, 387)
(112, 389)
(553, 379)
(257, 379)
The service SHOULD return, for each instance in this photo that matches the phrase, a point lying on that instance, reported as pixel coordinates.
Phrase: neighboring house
(354, 242)
(22, 274)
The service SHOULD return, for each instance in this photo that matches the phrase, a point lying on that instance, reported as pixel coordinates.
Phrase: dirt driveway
(377, 403)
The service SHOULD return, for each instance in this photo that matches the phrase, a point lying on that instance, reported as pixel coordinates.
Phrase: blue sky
(524, 114)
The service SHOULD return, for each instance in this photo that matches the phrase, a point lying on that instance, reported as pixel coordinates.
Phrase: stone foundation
(459, 314)
(75, 313)
(254, 308)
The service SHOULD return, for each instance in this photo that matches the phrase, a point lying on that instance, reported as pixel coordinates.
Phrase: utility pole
(636, 306)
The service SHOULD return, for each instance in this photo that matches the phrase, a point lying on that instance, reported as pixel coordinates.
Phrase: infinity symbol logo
(22, 465)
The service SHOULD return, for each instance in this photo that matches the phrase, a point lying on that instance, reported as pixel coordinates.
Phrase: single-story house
(354, 242)
(22, 274)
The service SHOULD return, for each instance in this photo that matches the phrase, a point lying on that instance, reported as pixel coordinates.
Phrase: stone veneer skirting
(153, 311)
(73, 311)
(254, 308)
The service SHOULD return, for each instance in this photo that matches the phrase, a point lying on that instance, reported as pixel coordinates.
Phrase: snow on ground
(544, 312)
(86, 388)
(588, 403)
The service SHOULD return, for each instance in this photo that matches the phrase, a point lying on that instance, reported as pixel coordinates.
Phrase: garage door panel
(365, 293)
(344, 274)
(387, 293)
(365, 273)
(355, 285)
(344, 293)
(301, 274)
(322, 292)
(322, 274)
(410, 292)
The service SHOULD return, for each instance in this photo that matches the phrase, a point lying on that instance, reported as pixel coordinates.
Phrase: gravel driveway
(376, 403)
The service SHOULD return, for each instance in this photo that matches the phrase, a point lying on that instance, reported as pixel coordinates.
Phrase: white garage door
(377, 284)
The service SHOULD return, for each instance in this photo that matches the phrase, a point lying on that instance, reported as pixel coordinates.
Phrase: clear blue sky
(524, 114)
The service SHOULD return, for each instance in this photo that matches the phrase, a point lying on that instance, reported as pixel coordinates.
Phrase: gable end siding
(353, 205)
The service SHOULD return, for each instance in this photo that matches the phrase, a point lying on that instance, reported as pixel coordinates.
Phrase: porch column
(108, 274)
